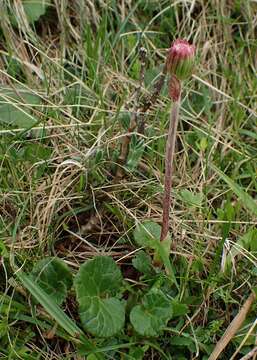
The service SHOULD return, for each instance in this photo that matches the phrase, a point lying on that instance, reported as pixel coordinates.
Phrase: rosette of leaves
(98, 286)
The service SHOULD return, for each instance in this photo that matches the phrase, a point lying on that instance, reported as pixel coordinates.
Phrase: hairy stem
(170, 148)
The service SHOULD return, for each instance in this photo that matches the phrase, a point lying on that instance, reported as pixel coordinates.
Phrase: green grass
(69, 76)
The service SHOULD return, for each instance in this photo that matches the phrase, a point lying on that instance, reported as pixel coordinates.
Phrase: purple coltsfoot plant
(179, 65)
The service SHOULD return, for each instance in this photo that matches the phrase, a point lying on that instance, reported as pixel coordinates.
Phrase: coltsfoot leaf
(149, 318)
(54, 277)
(97, 283)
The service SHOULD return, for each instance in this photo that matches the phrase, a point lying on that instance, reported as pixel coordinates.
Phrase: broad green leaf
(136, 353)
(149, 318)
(203, 144)
(16, 107)
(152, 75)
(102, 317)
(178, 308)
(183, 341)
(142, 262)
(96, 284)
(194, 200)
(148, 234)
(54, 277)
(35, 8)
(100, 276)
(246, 200)
(248, 241)
(92, 357)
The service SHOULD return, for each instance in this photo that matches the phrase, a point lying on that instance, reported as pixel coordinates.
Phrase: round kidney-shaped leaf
(147, 234)
(102, 317)
(98, 277)
(152, 316)
(13, 109)
(97, 283)
(54, 277)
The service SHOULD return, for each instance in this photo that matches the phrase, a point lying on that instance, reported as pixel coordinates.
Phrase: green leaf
(35, 8)
(246, 200)
(3, 250)
(100, 276)
(194, 200)
(152, 316)
(182, 341)
(136, 353)
(124, 119)
(148, 234)
(178, 308)
(35, 152)
(248, 241)
(15, 107)
(142, 262)
(54, 277)
(102, 317)
(50, 306)
(135, 153)
(96, 284)
(92, 357)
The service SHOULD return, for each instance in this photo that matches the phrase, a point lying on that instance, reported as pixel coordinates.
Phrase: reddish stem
(170, 148)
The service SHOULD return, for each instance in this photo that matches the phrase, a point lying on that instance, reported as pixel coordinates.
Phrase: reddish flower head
(180, 59)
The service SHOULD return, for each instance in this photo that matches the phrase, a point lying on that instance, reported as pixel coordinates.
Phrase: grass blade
(246, 199)
(53, 309)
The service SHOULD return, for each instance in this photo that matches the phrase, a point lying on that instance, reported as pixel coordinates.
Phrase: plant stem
(170, 148)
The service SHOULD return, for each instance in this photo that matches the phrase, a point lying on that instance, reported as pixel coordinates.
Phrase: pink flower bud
(180, 59)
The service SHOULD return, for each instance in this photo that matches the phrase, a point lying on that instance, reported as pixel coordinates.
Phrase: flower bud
(180, 59)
